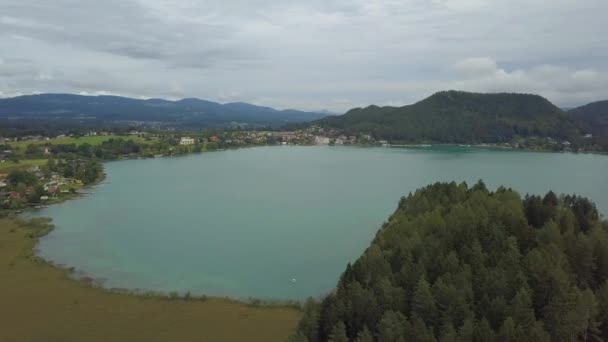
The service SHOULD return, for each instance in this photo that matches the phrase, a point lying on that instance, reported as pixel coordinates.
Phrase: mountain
(185, 113)
(460, 263)
(594, 116)
(460, 117)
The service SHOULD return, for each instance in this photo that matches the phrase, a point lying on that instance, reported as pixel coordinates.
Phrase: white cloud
(477, 66)
(564, 85)
(330, 54)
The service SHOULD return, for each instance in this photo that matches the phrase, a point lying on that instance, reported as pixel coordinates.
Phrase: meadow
(8, 165)
(91, 140)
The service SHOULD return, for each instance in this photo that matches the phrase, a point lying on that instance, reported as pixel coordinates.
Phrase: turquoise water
(272, 222)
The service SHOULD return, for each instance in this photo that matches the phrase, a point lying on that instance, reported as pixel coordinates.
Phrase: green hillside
(459, 263)
(594, 117)
(460, 117)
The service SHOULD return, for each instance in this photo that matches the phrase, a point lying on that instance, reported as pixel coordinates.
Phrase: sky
(309, 55)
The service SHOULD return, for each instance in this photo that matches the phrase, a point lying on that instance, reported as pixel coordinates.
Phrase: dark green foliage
(298, 337)
(460, 117)
(483, 332)
(455, 263)
(365, 336)
(423, 303)
(86, 170)
(309, 324)
(594, 117)
(338, 333)
(21, 177)
(393, 327)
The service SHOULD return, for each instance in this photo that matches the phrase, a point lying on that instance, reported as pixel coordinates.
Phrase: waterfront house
(186, 141)
(321, 140)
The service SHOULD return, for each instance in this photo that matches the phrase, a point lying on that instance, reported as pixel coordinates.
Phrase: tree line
(460, 263)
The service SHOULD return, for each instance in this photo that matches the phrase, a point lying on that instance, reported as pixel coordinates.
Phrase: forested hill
(594, 116)
(460, 117)
(459, 263)
(188, 113)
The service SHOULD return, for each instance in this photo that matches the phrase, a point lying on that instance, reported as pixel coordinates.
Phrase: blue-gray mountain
(187, 113)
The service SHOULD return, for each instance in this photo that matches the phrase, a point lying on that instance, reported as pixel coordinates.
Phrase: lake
(273, 222)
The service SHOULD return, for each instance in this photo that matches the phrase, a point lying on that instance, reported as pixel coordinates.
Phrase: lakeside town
(39, 170)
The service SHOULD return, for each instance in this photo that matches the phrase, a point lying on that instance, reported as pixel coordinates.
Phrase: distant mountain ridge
(460, 117)
(594, 117)
(189, 112)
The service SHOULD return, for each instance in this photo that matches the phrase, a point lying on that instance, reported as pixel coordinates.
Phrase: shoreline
(97, 284)
(44, 302)
(83, 277)
(485, 146)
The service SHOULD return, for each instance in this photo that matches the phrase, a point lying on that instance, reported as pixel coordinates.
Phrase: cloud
(330, 54)
(564, 85)
(478, 66)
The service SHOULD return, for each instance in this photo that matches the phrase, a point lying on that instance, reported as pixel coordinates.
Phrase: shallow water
(273, 222)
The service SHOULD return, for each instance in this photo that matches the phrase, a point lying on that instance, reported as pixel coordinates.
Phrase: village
(37, 170)
(36, 187)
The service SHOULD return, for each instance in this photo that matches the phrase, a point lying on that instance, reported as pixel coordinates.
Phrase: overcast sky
(313, 54)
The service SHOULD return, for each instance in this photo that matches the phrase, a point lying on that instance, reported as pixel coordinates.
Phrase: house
(52, 190)
(588, 136)
(44, 198)
(3, 184)
(186, 141)
(46, 151)
(14, 195)
(320, 140)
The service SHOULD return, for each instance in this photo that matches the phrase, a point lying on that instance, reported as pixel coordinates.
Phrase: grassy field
(39, 302)
(93, 140)
(9, 166)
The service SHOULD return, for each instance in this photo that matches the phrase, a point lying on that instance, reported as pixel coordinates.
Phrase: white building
(320, 140)
(186, 141)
